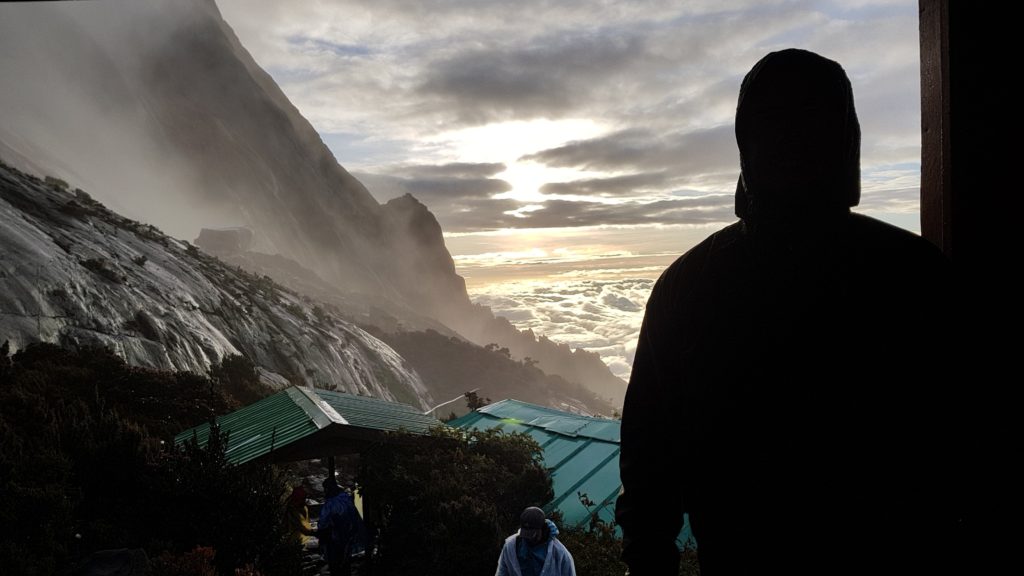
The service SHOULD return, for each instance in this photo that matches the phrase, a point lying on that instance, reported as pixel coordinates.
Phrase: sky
(572, 150)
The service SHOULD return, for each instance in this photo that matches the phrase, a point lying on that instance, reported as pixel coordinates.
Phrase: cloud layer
(388, 81)
(571, 149)
(603, 316)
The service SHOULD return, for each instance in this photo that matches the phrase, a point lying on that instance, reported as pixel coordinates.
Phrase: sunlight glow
(507, 142)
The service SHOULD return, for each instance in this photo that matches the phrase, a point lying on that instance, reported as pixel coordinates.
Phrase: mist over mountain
(163, 92)
(157, 109)
(76, 273)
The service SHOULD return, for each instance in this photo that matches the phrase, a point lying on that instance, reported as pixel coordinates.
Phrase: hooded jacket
(790, 365)
(557, 562)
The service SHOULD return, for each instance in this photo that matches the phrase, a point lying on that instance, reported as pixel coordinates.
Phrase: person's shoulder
(882, 238)
(564, 558)
(682, 274)
(557, 545)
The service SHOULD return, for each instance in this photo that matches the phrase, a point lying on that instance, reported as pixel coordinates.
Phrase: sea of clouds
(600, 315)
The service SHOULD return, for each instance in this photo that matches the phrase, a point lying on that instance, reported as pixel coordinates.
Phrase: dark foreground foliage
(450, 498)
(87, 463)
(597, 549)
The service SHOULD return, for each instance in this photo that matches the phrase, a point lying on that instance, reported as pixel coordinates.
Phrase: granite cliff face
(156, 109)
(76, 273)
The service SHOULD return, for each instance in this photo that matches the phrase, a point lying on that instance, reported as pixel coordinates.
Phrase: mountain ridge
(159, 109)
(78, 274)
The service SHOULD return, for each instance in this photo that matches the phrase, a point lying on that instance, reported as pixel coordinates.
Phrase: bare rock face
(157, 109)
(74, 273)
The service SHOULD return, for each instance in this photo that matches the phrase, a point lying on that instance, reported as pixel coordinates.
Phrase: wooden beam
(936, 130)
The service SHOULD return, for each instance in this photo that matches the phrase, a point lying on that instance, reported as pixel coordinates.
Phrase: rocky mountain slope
(156, 108)
(200, 135)
(74, 272)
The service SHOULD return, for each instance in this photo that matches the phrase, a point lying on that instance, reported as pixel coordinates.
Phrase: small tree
(445, 502)
(239, 511)
(474, 401)
(239, 378)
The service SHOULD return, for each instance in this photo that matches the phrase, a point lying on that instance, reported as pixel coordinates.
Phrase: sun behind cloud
(508, 142)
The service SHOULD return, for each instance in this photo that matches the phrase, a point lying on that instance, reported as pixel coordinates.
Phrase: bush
(236, 510)
(444, 503)
(197, 562)
(56, 182)
(597, 549)
(238, 378)
(83, 468)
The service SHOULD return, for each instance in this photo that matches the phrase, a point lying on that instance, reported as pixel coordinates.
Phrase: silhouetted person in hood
(789, 364)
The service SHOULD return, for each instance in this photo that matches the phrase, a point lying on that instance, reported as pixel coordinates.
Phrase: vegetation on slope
(450, 366)
(451, 498)
(87, 463)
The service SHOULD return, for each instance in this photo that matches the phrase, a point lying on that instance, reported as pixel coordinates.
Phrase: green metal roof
(298, 423)
(377, 414)
(581, 452)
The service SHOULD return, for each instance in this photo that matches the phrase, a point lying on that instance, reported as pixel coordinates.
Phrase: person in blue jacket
(535, 549)
(339, 528)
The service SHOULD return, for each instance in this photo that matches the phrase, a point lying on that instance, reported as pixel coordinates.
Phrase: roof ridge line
(322, 405)
(554, 411)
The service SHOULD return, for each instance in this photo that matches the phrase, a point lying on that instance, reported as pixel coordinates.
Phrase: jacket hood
(799, 139)
(552, 529)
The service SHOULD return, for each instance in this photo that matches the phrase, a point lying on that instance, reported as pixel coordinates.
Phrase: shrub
(238, 378)
(596, 549)
(445, 502)
(295, 310)
(196, 562)
(81, 454)
(236, 510)
(56, 182)
(103, 267)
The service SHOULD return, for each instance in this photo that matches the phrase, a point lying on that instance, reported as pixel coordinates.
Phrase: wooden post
(936, 131)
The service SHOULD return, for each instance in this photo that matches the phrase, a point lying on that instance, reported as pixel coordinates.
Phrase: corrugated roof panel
(609, 430)
(513, 427)
(604, 484)
(581, 452)
(296, 413)
(256, 429)
(567, 426)
(570, 474)
(607, 513)
(468, 420)
(555, 420)
(478, 424)
(377, 414)
(561, 448)
(477, 421)
(543, 437)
